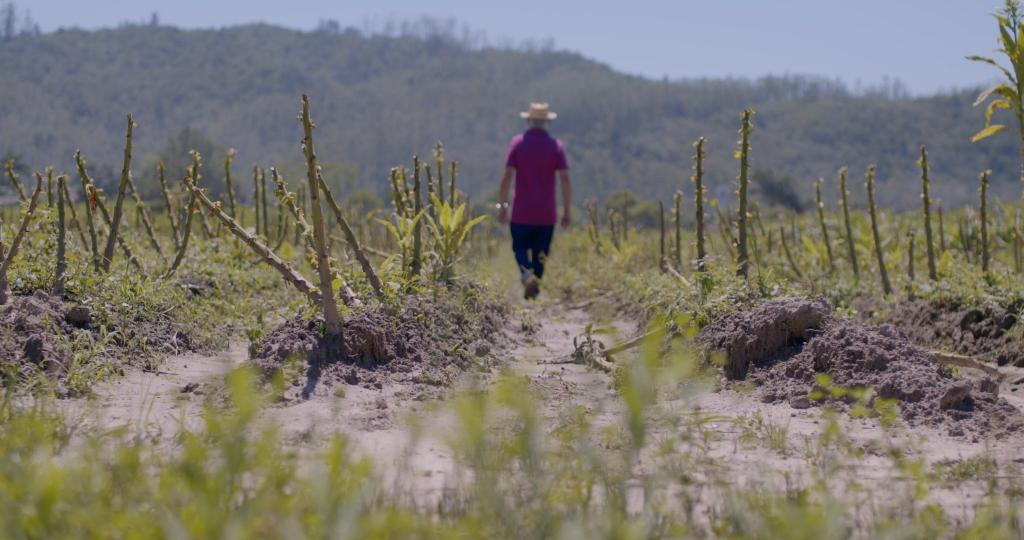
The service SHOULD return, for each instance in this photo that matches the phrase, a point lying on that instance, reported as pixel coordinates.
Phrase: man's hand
(506, 183)
(566, 219)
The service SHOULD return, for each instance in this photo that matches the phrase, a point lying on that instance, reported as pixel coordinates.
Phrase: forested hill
(379, 99)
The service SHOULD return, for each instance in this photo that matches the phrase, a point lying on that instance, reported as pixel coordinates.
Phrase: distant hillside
(379, 99)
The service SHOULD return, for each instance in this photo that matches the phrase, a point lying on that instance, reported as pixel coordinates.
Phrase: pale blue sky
(921, 42)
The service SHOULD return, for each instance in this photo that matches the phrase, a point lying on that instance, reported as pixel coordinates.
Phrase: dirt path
(405, 437)
(408, 439)
(749, 442)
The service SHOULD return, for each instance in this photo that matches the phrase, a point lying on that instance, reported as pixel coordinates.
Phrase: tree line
(390, 94)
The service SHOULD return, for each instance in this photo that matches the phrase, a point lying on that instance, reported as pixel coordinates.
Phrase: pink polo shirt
(536, 156)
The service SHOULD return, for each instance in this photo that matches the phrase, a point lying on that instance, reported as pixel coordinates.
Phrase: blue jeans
(531, 244)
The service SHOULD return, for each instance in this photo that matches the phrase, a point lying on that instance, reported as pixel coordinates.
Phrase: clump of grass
(972, 468)
(755, 429)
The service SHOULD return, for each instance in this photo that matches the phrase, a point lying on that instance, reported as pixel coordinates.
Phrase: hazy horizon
(919, 43)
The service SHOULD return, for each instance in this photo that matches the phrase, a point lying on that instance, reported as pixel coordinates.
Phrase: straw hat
(538, 111)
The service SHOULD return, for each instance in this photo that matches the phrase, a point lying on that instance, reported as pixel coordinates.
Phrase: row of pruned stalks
(739, 236)
(430, 234)
(103, 249)
(446, 221)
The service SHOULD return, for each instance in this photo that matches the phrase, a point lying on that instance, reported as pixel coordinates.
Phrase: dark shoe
(531, 288)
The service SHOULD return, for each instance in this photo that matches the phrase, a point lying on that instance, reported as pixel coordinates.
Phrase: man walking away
(533, 159)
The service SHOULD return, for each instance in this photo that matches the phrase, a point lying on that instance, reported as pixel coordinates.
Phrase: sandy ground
(406, 436)
(157, 404)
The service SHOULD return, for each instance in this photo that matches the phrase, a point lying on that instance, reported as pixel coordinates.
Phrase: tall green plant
(7, 254)
(1008, 93)
(453, 173)
(332, 318)
(439, 160)
(1018, 243)
(663, 259)
(90, 207)
(844, 199)
(910, 264)
(789, 255)
(402, 233)
(350, 237)
(698, 199)
(172, 212)
(191, 182)
(61, 266)
(288, 272)
(942, 228)
(290, 200)
(431, 190)
(397, 194)
(450, 230)
(142, 213)
(927, 209)
(74, 215)
(115, 218)
(743, 155)
(49, 187)
(593, 229)
(265, 231)
(821, 222)
(256, 196)
(624, 212)
(879, 254)
(229, 158)
(677, 218)
(983, 217)
(417, 242)
(13, 177)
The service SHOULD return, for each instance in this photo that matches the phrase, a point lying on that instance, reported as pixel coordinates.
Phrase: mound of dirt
(989, 333)
(32, 329)
(785, 353)
(426, 342)
(758, 334)
(38, 330)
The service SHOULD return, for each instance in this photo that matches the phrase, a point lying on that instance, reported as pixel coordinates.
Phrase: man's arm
(506, 183)
(563, 175)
